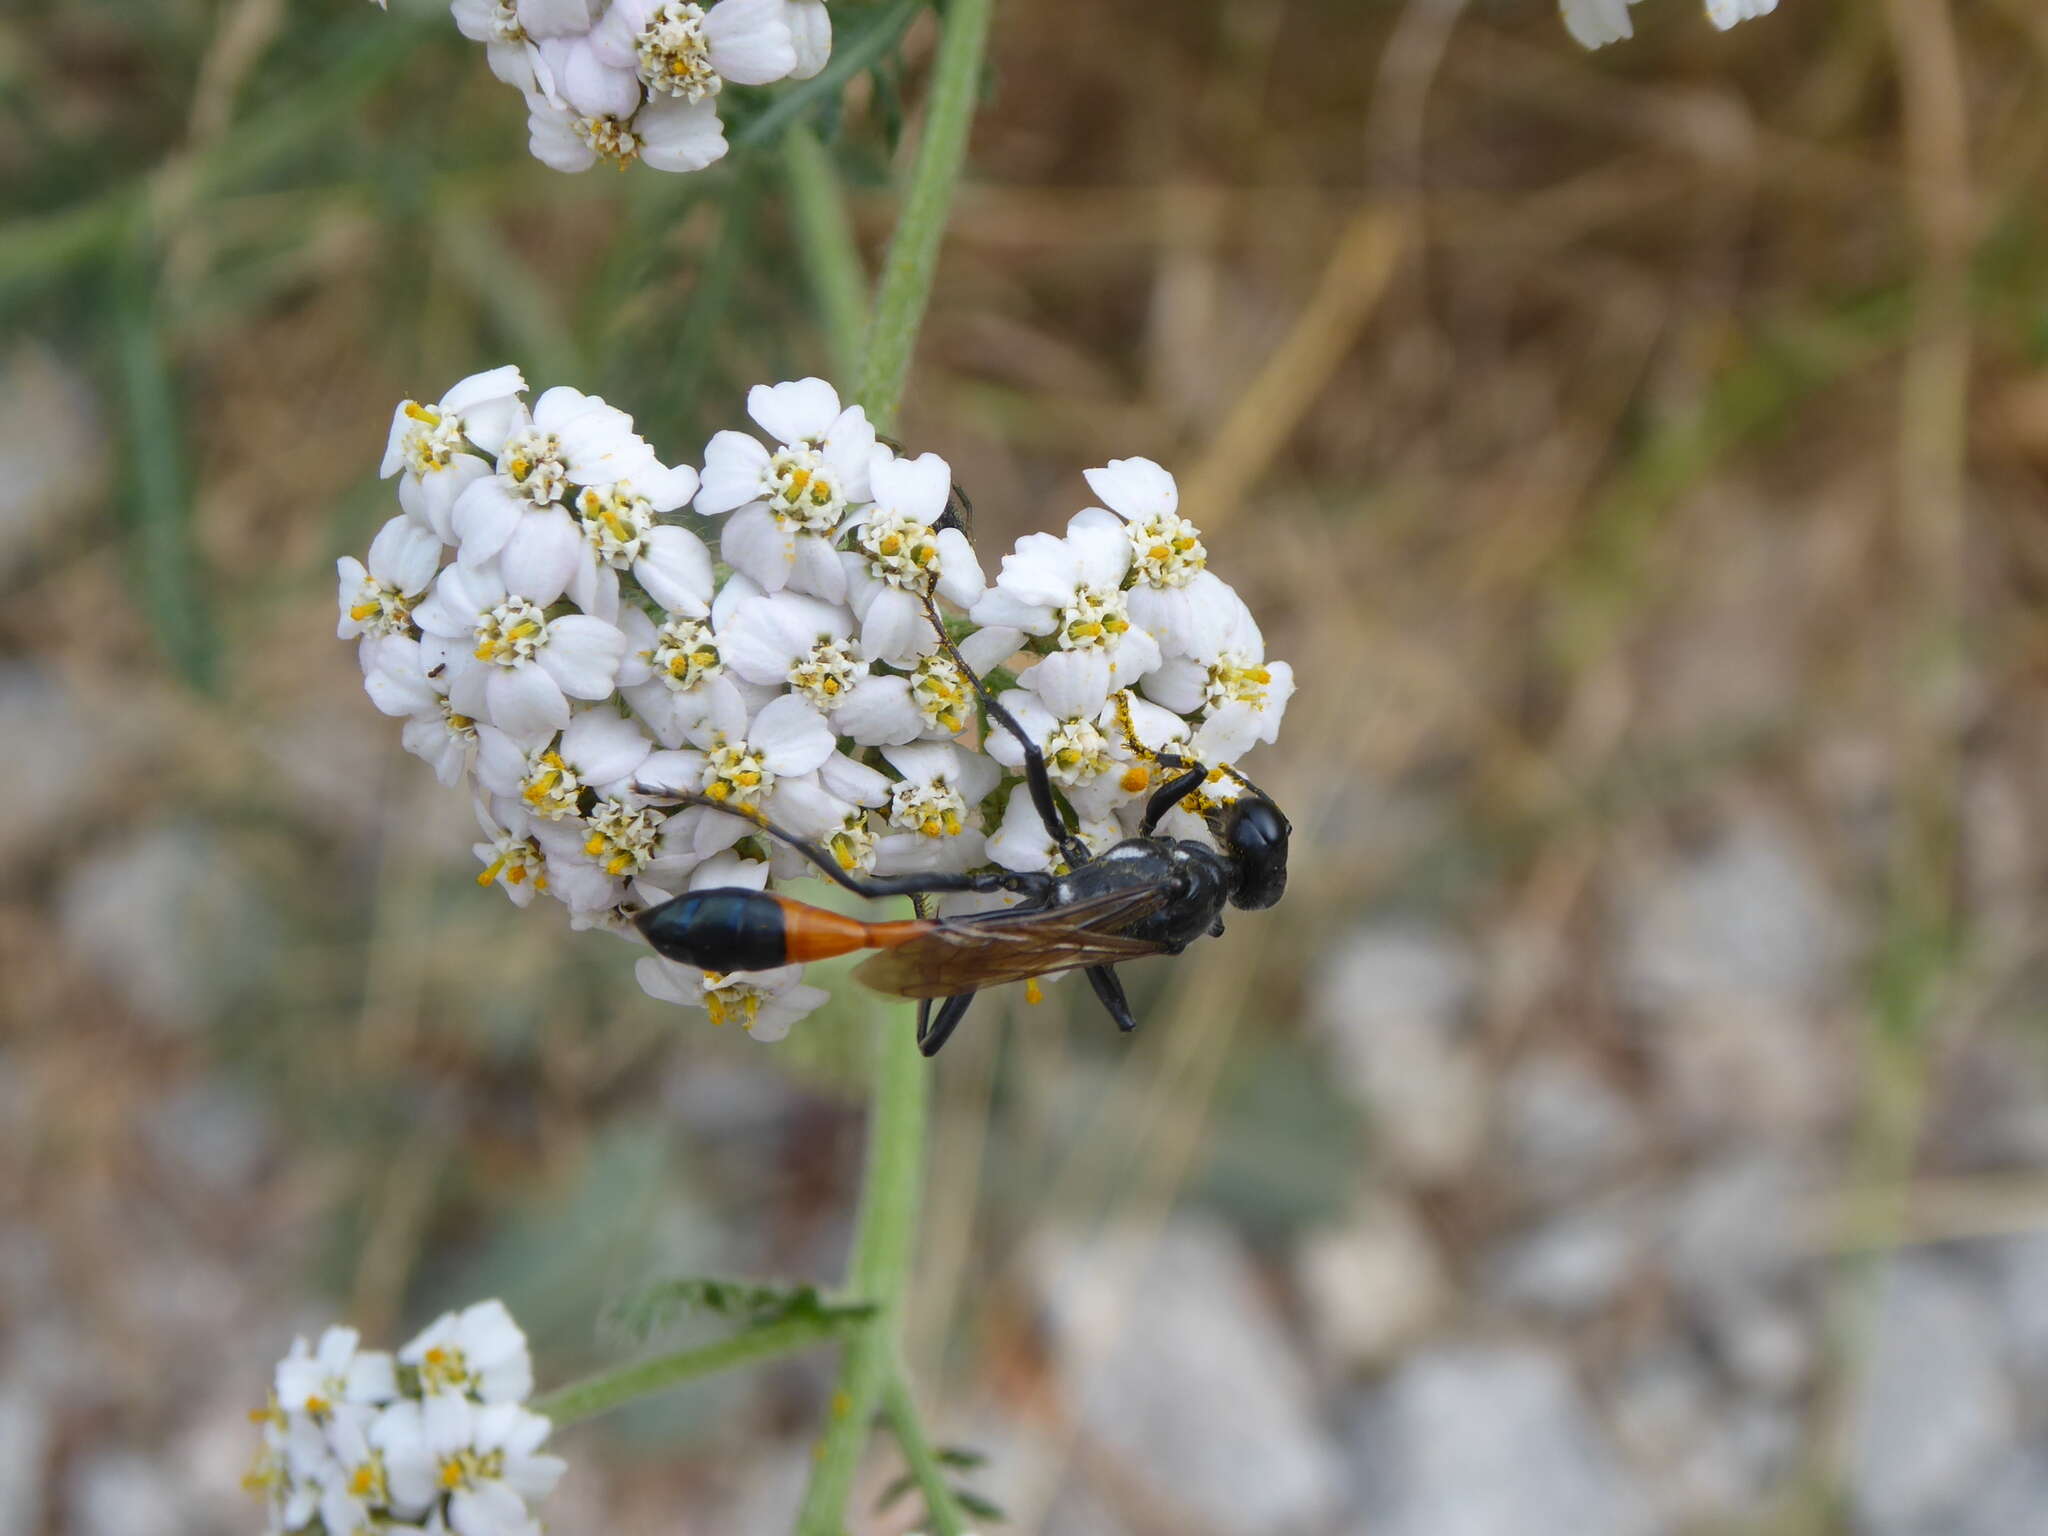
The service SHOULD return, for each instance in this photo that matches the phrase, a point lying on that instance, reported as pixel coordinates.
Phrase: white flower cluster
(1596, 23)
(625, 80)
(579, 662)
(430, 1441)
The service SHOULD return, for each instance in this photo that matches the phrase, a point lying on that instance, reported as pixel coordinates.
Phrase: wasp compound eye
(1256, 834)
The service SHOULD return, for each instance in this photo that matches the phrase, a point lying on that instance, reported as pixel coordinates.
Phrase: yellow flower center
(675, 59)
(511, 633)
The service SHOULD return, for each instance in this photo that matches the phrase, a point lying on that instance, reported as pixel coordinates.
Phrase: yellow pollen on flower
(362, 611)
(363, 1480)
(420, 413)
(1033, 992)
(719, 790)
(317, 1405)
(1136, 777)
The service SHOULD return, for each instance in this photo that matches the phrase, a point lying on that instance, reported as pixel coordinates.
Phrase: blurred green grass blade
(525, 309)
(163, 554)
(860, 40)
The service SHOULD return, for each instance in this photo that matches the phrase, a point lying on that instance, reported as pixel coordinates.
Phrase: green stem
(893, 1184)
(891, 1191)
(921, 226)
(612, 1389)
(824, 237)
(941, 1508)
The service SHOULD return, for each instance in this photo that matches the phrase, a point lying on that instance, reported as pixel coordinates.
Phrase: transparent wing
(991, 948)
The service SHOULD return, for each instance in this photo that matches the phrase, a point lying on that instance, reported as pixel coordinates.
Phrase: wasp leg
(935, 1032)
(1111, 991)
(1033, 885)
(1168, 795)
(1036, 779)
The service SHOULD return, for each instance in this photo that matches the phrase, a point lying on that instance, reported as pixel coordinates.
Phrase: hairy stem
(893, 1186)
(921, 227)
(941, 1508)
(612, 1389)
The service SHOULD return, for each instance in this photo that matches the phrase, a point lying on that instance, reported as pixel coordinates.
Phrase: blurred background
(1634, 1121)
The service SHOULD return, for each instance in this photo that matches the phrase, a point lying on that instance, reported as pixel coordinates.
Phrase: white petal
(1039, 572)
(894, 629)
(750, 44)
(1138, 488)
(810, 29)
(790, 736)
(485, 516)
(675, 569)
(987, 649)
(878, 712)
(960, 578)
(405, 555)
(849, 449)
(921, 486)
(802, 410)
(735, 469)
(583, 655)
(1102, 550)
(854, 782)
(754, 544)
(1073, 684)
(541, 556)
(817, 569)
(677, 135)
(395, 677)
(524, 702)
(603, 748)
(1179, 684)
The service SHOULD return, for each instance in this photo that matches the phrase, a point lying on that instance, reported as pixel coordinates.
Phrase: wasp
(1147, 895)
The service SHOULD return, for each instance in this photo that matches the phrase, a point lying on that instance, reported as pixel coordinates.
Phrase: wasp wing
(991, 948)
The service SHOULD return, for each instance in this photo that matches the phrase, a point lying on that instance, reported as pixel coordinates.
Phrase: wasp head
(1254, 834)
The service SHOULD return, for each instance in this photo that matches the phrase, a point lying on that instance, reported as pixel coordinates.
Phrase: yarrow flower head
(434, 1439)
(626, 80)
(637, 713)
(1596, 23)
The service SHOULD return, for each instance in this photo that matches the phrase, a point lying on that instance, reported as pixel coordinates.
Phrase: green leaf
(164, 557)
(661, 1306)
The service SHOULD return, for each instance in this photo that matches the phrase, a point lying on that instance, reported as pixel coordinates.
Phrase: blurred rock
(1564, 1128)
(1933, 1409)
(124, 1493)
(1574, 1264)
(1735, 1227)
(53, 454)
(2011, 1499)
(166, 920)
(1490, 1441)
(1371, 1285)
(1171, 1362)
(1707, 1456)
(211, 1136)
(24, 1446)
(1392, 1001)
(1748, 917)
(56, 756)
(2019, 1268)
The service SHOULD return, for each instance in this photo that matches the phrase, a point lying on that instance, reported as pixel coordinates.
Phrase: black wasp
(1147, 895)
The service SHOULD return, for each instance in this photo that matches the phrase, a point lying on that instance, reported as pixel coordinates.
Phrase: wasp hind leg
(935, 1032)
(1111, 992)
